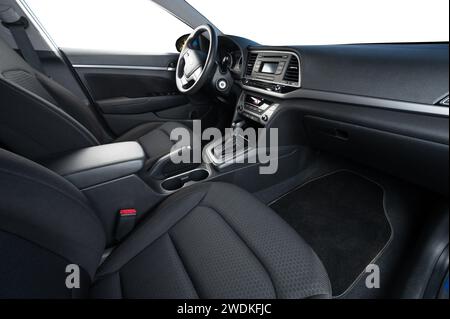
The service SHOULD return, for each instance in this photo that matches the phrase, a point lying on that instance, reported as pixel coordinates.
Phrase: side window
(132, 26)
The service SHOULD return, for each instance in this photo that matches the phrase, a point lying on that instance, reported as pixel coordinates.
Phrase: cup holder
(178, 182)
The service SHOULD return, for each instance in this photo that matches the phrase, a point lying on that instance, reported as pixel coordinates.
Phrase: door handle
(172, 66)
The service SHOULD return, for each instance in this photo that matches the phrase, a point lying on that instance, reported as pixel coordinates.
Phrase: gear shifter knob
(236, 125)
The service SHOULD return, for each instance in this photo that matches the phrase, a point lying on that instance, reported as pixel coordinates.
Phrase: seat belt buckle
(126, 223)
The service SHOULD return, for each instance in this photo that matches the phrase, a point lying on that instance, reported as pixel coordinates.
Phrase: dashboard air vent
(251, 63)
(293, 71)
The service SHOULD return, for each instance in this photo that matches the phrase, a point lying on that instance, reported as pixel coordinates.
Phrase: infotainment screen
(269, 67)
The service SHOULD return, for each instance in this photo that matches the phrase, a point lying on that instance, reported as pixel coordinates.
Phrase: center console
(256, 108)
(252, 112)
(273, 71)
(231, 149)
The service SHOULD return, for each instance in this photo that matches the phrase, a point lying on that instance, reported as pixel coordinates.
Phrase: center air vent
(293, 71)
(251, 63)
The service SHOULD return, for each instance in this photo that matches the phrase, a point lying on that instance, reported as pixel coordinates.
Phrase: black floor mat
(342, 217)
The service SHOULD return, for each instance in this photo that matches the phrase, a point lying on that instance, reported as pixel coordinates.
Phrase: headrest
(8, 14)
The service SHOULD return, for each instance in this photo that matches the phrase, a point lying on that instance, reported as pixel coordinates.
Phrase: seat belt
(18, 25)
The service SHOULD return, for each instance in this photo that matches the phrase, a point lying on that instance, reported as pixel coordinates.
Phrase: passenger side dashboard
(381, 105)
(406, 77)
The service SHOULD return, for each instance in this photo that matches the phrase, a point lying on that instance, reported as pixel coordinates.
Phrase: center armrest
(95, 165)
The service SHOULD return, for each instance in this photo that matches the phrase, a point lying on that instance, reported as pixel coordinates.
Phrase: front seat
(41, 119)
(212, 240)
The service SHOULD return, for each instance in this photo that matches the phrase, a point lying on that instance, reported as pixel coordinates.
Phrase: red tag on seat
(128, 212)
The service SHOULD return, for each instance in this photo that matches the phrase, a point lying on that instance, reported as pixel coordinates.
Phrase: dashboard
(385, 105)
(404, 77)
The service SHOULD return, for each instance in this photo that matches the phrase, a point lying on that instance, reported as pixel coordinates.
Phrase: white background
(110, 25)
(142, 26)
(330, 21)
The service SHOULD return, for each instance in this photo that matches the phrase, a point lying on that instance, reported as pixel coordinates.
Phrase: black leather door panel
(113, 83)
(126, 105)
(134, 89)
(191, 112)
(121, 123)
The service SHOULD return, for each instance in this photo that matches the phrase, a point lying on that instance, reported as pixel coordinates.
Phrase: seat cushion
(213, 240)
(154, 138)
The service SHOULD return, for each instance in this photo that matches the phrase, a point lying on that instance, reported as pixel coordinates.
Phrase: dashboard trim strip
(356, 99)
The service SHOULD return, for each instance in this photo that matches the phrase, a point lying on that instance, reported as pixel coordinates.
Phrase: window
(303, 22)
(136, 26)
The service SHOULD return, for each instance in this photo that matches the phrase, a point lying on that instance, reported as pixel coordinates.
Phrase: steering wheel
(194, 67)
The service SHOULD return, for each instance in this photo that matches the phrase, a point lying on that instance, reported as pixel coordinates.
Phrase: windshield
(288, 22)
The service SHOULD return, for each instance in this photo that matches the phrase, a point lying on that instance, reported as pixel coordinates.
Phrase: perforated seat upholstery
(210, 240)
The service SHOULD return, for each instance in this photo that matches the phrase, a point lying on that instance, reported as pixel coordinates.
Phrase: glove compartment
(417, 160)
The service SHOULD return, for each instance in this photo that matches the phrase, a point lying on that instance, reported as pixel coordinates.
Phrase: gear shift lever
(236, 125)
(230, 143)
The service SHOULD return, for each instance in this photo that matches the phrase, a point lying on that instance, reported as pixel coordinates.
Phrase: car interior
(86, 175)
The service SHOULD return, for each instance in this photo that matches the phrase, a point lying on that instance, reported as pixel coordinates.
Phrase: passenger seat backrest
(36, 129)
(39, 117)
(46, 225)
